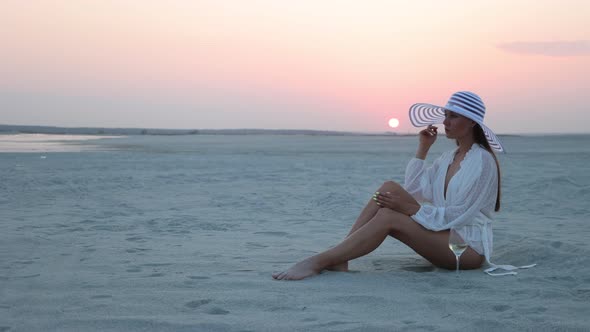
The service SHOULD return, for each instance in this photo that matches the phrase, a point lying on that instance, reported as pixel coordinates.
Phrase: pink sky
(328, 65)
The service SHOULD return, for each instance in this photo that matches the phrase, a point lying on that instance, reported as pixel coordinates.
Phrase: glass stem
(457, 259)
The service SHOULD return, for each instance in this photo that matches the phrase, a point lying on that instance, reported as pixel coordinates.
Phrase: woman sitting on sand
(461, 190)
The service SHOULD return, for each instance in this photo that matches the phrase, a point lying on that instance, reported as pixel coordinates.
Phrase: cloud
(554, 48)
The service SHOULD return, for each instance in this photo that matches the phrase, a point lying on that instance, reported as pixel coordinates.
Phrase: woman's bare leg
(366, 239)
(371, 208)
(431, 245)
(369, 212)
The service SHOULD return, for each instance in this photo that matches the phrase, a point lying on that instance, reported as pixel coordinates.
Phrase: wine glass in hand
(457, 245)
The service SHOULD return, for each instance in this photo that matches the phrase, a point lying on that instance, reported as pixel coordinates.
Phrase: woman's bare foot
(304, 269)
(342, 267)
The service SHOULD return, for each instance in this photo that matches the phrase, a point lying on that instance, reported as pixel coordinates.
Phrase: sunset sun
(393, 122)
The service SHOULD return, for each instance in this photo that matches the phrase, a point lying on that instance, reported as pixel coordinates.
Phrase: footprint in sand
(156, 264)
(532, 310)
(159, 274)
(255, 245)
(501, 307)
(419, 269)
(357, 299)
(377, 266)
(273, 233)
(98, 297)
(136, 250)
(309, 319)
(217, 311)
(582, 293)
(197, 303)
(4, 328)
(135, 239)
(198, 277)
(28, 276)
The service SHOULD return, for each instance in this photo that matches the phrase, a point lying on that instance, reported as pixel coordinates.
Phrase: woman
(460, 190)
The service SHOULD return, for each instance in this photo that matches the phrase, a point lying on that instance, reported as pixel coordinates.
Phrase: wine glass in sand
(457, 245)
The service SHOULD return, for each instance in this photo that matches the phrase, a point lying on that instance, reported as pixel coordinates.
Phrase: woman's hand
(394, 202)
(427, 138)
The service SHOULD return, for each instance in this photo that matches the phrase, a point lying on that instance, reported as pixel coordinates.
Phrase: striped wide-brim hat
(464, 103)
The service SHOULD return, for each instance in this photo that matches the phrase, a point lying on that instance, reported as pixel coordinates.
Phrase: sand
(183, 233)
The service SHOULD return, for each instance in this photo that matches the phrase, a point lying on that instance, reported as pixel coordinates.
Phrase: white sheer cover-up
(469, 203)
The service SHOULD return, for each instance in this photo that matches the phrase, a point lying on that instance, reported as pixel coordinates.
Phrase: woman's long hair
(480, 138)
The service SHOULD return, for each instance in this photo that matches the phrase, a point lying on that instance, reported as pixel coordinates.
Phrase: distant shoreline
(21, 129)
(105, 131)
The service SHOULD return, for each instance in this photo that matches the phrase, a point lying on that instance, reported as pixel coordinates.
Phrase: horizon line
(189, 130)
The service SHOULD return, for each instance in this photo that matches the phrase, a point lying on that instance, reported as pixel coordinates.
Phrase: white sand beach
(147, 233)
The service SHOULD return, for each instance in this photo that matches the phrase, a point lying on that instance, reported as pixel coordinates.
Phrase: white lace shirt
(469, 202)
(470, 198)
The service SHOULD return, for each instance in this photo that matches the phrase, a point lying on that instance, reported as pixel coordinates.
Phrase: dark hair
(480, 138)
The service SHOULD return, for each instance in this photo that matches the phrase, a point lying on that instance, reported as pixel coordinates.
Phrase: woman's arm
(418, 177)
(427, 138)
(467, 201)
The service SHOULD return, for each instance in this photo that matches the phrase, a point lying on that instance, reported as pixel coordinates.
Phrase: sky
(281, 64)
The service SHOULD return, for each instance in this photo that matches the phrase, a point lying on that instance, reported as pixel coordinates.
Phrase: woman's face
(457, 126)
